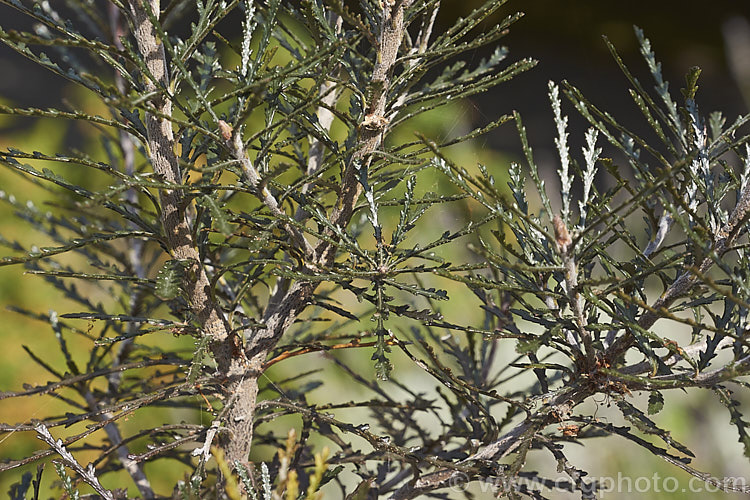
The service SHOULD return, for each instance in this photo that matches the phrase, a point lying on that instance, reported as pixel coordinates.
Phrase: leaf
(383, 366)
(528, 346)
(219, 215)
(691, 81)
(117, 317)
(244, 475)
(361, 491)
(196, 364)
(421, 315)
(735, 416)
(18, 490)
(431, 293)
(72, 245)
(655, 403)
(338, 310)
(648, 426)
(170, 278)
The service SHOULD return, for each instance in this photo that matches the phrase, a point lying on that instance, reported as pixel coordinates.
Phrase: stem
(242, 368)
(686, 281)
(562, 402)
(281, 313)
(226, 347)
(374, 125)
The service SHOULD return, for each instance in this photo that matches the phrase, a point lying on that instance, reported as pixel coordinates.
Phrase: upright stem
(164, 161)
(372, 128)
(226, 346)
(242, 368)
(280, 314)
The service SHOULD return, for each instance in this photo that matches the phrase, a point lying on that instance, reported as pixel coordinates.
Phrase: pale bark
(240, 365)
(225, 346)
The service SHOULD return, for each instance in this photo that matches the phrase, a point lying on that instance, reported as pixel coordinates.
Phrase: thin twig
(86, 474)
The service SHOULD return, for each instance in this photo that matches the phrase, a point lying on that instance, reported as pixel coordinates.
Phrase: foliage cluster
(258, 198)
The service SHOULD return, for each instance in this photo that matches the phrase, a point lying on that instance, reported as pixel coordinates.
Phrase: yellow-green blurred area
(565, 37)
(32, 293)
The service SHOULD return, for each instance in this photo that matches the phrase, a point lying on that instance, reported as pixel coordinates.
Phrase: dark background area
(566, 38)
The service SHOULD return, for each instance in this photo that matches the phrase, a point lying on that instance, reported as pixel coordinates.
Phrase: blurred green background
(566, 38)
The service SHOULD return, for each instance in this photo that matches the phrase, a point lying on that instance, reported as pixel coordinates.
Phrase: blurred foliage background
(565, 36)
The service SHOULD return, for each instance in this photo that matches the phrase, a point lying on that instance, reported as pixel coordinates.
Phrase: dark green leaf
(170, 280)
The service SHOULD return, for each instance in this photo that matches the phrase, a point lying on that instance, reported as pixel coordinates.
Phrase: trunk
(241, 366)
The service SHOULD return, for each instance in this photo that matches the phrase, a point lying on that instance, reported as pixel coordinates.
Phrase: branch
(730, 371)
(86, 474)
(419, 48)
(226, 345)
(687, 280)
(164, 161)
(280, 314)
(123, 453)
(566, 249)
(234, 143)
(560, 404)
(372, 128)
(674, 358)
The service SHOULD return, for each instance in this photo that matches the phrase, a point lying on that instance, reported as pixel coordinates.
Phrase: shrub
(263, 198)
